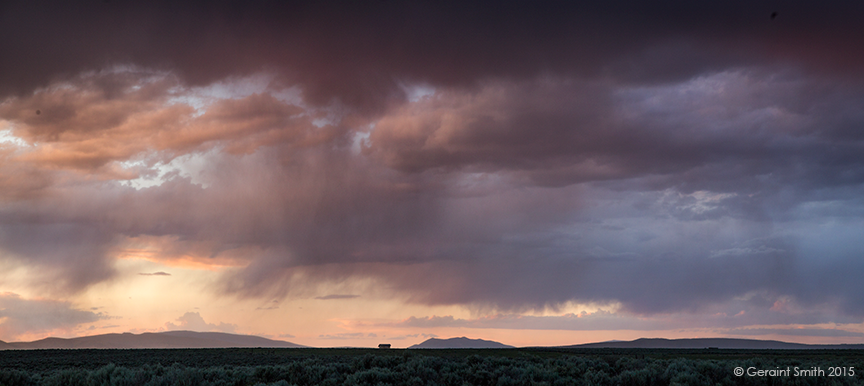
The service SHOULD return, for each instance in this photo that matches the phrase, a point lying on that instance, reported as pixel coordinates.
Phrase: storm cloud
(669, 158)
(21, 316)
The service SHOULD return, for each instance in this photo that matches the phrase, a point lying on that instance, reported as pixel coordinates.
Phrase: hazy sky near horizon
(349, 173)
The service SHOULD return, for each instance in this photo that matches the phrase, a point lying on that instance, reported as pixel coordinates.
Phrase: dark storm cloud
(712, 132)
(359, 52)
(666, 157)
(68, 256)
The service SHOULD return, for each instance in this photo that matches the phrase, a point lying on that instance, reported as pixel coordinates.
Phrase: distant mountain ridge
(192, 339)
(724, 343)
(168, 339)
(462, 342)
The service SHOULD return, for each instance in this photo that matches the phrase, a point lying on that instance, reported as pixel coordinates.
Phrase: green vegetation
(502, 367)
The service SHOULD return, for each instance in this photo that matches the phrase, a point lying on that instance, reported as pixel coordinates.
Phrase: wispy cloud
(336, 296)
(348, 335)
(403, 337)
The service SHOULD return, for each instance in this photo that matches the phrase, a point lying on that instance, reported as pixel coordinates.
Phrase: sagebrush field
(541, 366)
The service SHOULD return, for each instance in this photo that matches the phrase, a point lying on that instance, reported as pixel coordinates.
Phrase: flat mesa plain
(361, 366)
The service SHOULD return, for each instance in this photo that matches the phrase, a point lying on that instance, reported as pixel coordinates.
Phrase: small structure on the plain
(384, 345)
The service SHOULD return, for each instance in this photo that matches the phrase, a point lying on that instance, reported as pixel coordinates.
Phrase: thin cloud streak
(820, 332)
(336, 296)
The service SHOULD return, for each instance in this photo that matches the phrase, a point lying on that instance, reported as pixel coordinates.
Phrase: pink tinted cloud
(84, 126)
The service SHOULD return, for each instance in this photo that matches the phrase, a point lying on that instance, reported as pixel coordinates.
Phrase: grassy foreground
(526, 366)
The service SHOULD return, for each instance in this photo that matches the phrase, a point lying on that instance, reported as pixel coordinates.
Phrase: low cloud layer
(819, 332)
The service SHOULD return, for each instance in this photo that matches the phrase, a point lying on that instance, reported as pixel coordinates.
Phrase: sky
(345, 173)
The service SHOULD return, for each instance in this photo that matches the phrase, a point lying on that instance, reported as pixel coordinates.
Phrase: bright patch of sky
(575, 308)
(142, 75)
(235, 88)
(6, 136)
(360, 139)
(232, 88)
(417, 92)
(329, 115)
(200, 98)
(479, 184)
(189, 166)
(657, 98)
(321, 122)
(706, 201)
(15, 276)
(292, 96)
(697, 202)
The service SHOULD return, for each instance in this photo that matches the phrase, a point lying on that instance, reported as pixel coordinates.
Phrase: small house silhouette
(384, 345)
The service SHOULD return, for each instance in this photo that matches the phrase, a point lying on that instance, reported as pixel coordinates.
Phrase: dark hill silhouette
(462, 342)
(169, 339)
(726, 343)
